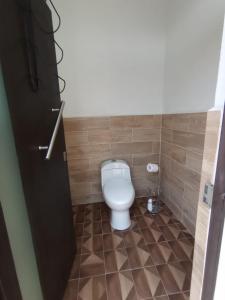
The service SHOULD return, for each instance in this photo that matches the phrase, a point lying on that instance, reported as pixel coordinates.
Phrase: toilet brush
(153, 205)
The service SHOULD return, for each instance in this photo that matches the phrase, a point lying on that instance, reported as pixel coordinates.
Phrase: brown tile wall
(92, 140)
(182, 147)
(177, 141)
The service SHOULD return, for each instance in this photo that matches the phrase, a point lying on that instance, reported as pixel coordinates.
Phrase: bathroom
(141, 82)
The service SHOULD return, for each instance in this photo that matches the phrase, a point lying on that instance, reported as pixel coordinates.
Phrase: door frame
(216, 223)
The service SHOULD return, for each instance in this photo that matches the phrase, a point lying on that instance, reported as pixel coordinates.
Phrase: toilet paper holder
(152, 168)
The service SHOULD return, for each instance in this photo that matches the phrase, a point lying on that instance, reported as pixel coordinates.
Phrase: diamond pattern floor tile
(93, 288)
(151, 260)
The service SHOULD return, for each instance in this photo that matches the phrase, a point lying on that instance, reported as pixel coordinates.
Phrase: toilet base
(120, 220)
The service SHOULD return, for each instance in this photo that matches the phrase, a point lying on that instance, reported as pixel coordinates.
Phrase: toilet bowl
(118, 191)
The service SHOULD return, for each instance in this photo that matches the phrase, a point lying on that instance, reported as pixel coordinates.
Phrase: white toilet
(118, 192)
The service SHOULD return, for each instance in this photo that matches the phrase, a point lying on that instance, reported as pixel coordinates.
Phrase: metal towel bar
(54, 134)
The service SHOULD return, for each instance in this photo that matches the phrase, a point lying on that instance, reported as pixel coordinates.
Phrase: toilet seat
(118, 191)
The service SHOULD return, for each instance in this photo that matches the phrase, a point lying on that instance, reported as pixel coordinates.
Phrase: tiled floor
(151, 260)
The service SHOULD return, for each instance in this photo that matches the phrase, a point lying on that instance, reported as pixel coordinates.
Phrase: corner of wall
(211, 145)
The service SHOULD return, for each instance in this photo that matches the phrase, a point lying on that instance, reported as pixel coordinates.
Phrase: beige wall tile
(156, 147)
(194, 161)
(213, 122)
(88, 199)
(74, 138)
(197, 122)
(85, 176)
(139, 171)
(174, 181)
(88, 151)
(144, 187)
(81, 188)
(172, 192)
(122, 122)
(191, 198)
(74, 124)
(190, 207)
(144, 159)
(165, 166)
(121, 135)
(96, 188)
(99, 136)
(145, 134)
(149, 121)
(189, 140)
(174, 152)
(98, 123)
(132, 148)
(188, 223)
(78, 164)
(95, 163)
(173, 206)
(79, 124)
(188, 176)
(167, 135)
(175, 122)
(193, 122)
(126, 157)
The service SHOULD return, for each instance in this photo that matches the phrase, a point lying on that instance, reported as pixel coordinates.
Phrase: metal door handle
(54, 134)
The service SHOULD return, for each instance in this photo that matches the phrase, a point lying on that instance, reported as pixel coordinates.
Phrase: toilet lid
(118, 190)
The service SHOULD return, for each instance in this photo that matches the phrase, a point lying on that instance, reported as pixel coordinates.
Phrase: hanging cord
(62, 53)
(59, 21)
(29, 9)
(64, 84)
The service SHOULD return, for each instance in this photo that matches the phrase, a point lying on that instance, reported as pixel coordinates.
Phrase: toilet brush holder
(153, 205)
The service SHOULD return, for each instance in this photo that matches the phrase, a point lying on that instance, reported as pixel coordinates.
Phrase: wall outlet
(208, 194)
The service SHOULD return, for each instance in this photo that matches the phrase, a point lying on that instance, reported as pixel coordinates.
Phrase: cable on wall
(59, 20)
(64, 84)
(62, 53)
(33, 49)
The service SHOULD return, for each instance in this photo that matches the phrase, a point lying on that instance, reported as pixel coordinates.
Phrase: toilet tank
(114, 169)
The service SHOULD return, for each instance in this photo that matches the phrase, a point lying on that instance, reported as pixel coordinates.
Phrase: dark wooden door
(30, 74)
(9, 286)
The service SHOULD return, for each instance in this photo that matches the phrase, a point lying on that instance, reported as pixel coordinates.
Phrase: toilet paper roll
(152, 168)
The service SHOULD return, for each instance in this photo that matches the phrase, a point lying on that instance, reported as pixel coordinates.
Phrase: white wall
(114, 56)
(125, 57)
(193, 49)
(220, 90)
